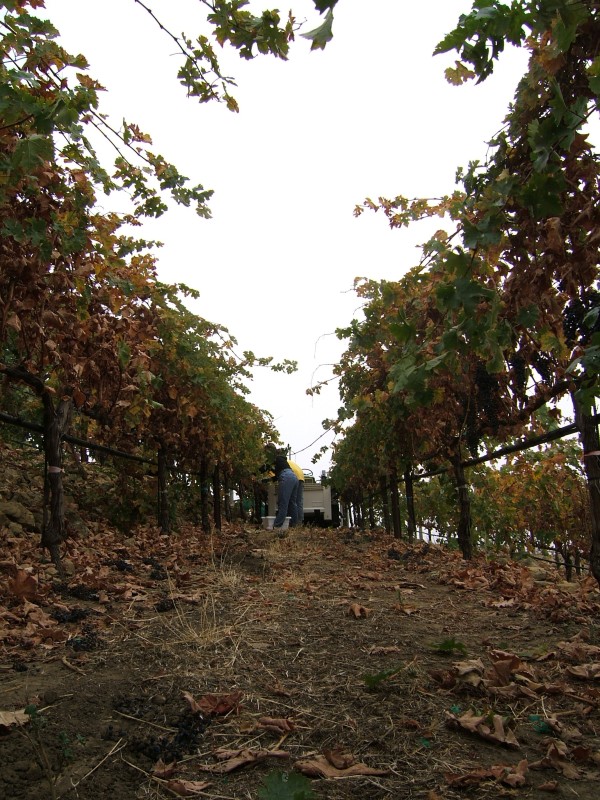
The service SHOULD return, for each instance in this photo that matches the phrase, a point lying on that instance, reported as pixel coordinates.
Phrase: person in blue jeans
(299, 473)
(287, 492)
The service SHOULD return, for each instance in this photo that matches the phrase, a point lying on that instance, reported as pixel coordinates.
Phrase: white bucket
(267, 523)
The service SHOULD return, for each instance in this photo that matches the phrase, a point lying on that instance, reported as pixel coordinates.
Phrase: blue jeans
(299, 504)
(286, 498)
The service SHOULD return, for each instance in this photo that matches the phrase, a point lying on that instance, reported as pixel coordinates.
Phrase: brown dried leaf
(502, 603)
(234, 759)
(193, 599)
(23, 585)
(339, 758)
(162, 770)
(467, 780)
(466, 667)
(215, 704)
(445, 678)
(372, 576)
(404, 609)
(187, 788)
(479, 725)
(410, 724)
(556, 757)
(10, 718)
(548, 786)
(512, 776)
(279, 690)
(14, 322)
(276, 724)
(507, 666)
(578, 651)
(380, 651)
(512, 692)
(585, 672)
(470, 672)
(581, 754)
(37, 615)
(321, 767)
(358, 611)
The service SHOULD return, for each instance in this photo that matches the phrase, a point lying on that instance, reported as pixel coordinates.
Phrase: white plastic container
(267, 523)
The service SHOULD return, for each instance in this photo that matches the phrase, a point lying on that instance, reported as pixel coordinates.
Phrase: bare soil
(221, 666)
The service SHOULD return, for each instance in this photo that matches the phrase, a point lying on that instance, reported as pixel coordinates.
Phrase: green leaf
(324, 5)
(446, 294)
(594, 82)
(13, 228)
(528, 316)
(570, 17)
(286, 786)
(541, 195)
(31, 152)
(486, 231)
(450, 646)
(373, 681)
(402, 373)
(591, 317)
(321, 35)
(496, 361)
(463, 292)
(435, 362)
(123, 353)
(452, 340)
(402, 331)
(564, 35)
(550, 342)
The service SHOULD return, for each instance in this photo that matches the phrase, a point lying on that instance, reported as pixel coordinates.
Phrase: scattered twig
(150, 776)
(113, 751)
(71, 666)
(165, 784)
(146, 722)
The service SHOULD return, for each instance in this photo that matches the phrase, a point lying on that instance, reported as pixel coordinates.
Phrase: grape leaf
(321, 35)
(286, 786)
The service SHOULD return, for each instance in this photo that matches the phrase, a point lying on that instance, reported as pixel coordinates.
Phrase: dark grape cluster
(69, 614)
(472, 429)
(519, 371)
(82, 592)
(120, 564)
(173, 747)
(158, 572)
(543, 364)
(166, 604)
(576, 310)
(87, 640)
(488, 395)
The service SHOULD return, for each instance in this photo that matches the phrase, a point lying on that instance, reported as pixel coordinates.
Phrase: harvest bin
(267, 523)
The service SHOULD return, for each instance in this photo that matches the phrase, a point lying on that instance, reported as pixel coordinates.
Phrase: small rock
(16, 512)
(567, 586)
(68, 566)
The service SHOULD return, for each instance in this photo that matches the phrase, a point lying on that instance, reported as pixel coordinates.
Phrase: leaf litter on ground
(277, 641)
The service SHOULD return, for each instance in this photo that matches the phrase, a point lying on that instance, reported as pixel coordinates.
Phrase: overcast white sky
(372, 115)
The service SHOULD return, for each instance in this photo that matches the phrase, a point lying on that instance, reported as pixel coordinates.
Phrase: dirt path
(187, 667)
